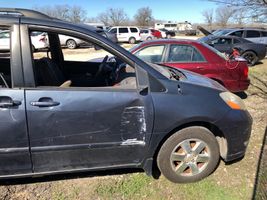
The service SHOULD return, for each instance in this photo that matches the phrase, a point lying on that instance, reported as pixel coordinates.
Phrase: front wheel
(71, 44)
(251, 57)
(189, 155)
(132, 40)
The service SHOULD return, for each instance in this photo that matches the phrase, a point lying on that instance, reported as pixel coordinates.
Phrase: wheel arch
(218, 80)
(211, 127)
(250, 50)
(70, 39)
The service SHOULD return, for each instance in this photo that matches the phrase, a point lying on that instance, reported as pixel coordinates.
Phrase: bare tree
(208, 15)
(104, 18)
(114, 17)
(61, 11)
(77, 14)
(240, 17)
(256, 10)
(74, 14)
(224, 14)
(92, 20)
(144, 17)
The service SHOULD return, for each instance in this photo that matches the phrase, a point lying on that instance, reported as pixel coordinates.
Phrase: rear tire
(251, 57)
(189, 155)
(71, 44)
(132, 40)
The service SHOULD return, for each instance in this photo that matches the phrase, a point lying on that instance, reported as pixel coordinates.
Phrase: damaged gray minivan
(61, 113)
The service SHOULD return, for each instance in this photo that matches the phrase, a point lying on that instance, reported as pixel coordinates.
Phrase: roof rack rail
(23, 12)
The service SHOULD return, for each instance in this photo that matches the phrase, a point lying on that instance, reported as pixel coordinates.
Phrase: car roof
(245, 28)
(170, 41)
(35, 17)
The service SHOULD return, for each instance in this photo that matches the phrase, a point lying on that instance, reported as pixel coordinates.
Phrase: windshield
(221, 32)
(222, 55)
(204, 39)
(134, 47)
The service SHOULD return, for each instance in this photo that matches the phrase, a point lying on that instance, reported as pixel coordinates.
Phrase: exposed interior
(57, 66)
(86, 66)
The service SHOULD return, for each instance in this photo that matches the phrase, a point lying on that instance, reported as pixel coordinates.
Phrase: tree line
(238, 12)
(110, 17)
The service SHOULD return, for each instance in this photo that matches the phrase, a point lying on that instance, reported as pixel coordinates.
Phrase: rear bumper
(244, 84)
(237, 85)
(236, 127)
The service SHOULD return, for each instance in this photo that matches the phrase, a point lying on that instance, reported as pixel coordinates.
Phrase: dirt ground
(235, 181)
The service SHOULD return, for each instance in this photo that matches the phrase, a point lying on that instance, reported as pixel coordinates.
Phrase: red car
(156, 33)
(197, 57)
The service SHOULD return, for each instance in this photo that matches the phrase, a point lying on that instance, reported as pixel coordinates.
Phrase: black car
(252, 52)
(111, 36)
(168, 33)
(62, 114)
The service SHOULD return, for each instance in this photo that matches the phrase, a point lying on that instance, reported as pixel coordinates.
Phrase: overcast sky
(169, 10)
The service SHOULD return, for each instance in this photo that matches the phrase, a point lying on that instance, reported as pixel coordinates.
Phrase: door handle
(45, 102)
(6, 102)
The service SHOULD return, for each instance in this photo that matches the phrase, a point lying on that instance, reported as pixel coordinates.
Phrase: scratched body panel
(14, 146)
(88, 128)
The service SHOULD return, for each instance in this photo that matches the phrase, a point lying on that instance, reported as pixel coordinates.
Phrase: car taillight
(246, 71)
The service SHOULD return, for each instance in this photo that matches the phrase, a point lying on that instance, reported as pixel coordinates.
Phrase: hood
(187, 77)
(200, 80)
(205, 39)
(203, 30)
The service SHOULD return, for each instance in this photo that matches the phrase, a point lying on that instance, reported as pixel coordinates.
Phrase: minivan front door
(78, 128)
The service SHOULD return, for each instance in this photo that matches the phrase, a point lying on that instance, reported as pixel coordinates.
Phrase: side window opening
(197, 56)
(123, 30)
(180, 53)
(113, 30)
(264, 33)
(5, 68)
(184, 53)
(84, 65)
(134, 30)
(151, 54)
(253, 34)
(237, 33)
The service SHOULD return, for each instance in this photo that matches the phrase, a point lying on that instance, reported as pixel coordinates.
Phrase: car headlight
(233, 101)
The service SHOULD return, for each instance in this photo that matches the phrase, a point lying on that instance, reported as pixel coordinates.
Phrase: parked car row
(251, 43)
(133, 34)
(38, 39)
